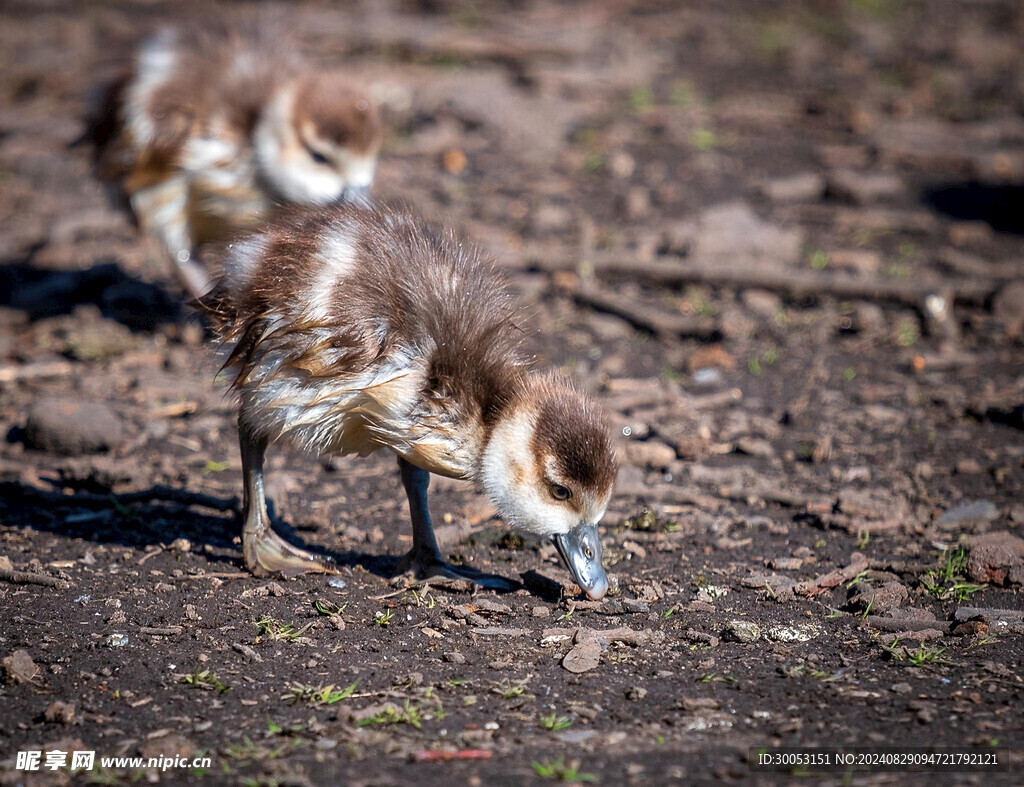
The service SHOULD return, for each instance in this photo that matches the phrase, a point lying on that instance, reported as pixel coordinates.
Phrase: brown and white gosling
(213, 125)
(350, 330)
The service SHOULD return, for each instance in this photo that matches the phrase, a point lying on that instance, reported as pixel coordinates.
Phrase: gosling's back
(349, 329)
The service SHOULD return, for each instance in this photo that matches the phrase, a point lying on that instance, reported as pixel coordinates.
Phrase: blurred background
(687, 192)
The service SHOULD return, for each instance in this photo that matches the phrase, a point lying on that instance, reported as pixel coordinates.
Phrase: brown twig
(30, 371)
(797, 284)
(29, 578)
(657, 321)
(161, 631)
(897, 624)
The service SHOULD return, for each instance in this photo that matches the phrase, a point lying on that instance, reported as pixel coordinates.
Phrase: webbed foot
(268, 555)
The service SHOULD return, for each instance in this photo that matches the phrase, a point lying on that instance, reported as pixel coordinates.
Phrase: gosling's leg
(266, 553)
(163, 210)
(424, 560)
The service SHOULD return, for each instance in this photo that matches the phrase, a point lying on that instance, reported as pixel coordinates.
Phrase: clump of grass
(317, 696)
(247, 751)
(704, 139)
(329, 608)
(948, 580)
(206, 680)
(925, 655)
(408, 714)
(559, 770)
(213, 466)
(641, 98)
(277, 631)
(383, 618)
(510, 690)
(921, 657)
(648, 520)
(553, 722)
(416, 598)
(907, 333)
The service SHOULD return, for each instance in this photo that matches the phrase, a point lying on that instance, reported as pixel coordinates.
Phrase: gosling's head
(317, 141)
(549, 470)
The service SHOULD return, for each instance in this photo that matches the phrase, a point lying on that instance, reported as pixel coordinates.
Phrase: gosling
(212, 126)
(348, 330)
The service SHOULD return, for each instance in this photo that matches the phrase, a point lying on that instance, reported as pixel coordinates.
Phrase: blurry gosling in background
(213, 126)
(350, 330)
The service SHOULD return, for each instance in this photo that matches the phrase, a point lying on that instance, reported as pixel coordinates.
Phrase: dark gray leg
(424, 560)
(266, 553)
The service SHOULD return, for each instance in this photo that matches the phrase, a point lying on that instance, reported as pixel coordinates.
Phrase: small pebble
(742, 631)
(59, 712)
(707, 376)
(800, 633)
(115, 641)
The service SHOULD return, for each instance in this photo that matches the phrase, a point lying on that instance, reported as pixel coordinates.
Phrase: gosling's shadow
(41, 293)
(999, 205)
(155, 516)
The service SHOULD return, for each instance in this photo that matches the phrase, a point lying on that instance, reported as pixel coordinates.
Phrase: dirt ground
(780, 242)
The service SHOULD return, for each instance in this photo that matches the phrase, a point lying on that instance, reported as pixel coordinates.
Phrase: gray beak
(357, 195)
(580, 550)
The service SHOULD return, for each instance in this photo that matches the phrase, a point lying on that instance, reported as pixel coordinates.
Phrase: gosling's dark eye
(317, 156)
(559, 492)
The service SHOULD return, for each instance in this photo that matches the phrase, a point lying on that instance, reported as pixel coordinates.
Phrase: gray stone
(637, 203)
(973, 514)
(742, 631)
(19, 667)
(878, 599)
(70, 427)
(802, 187)
(59, 713)
(732, 231)
(584, 656)
(762, 303)
(868, 317)
(647, 453)
(992, 615)
(552, 218)
(800, 632)
(576, 737)
(755, 446)
(864, 188)
(1008, 309)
